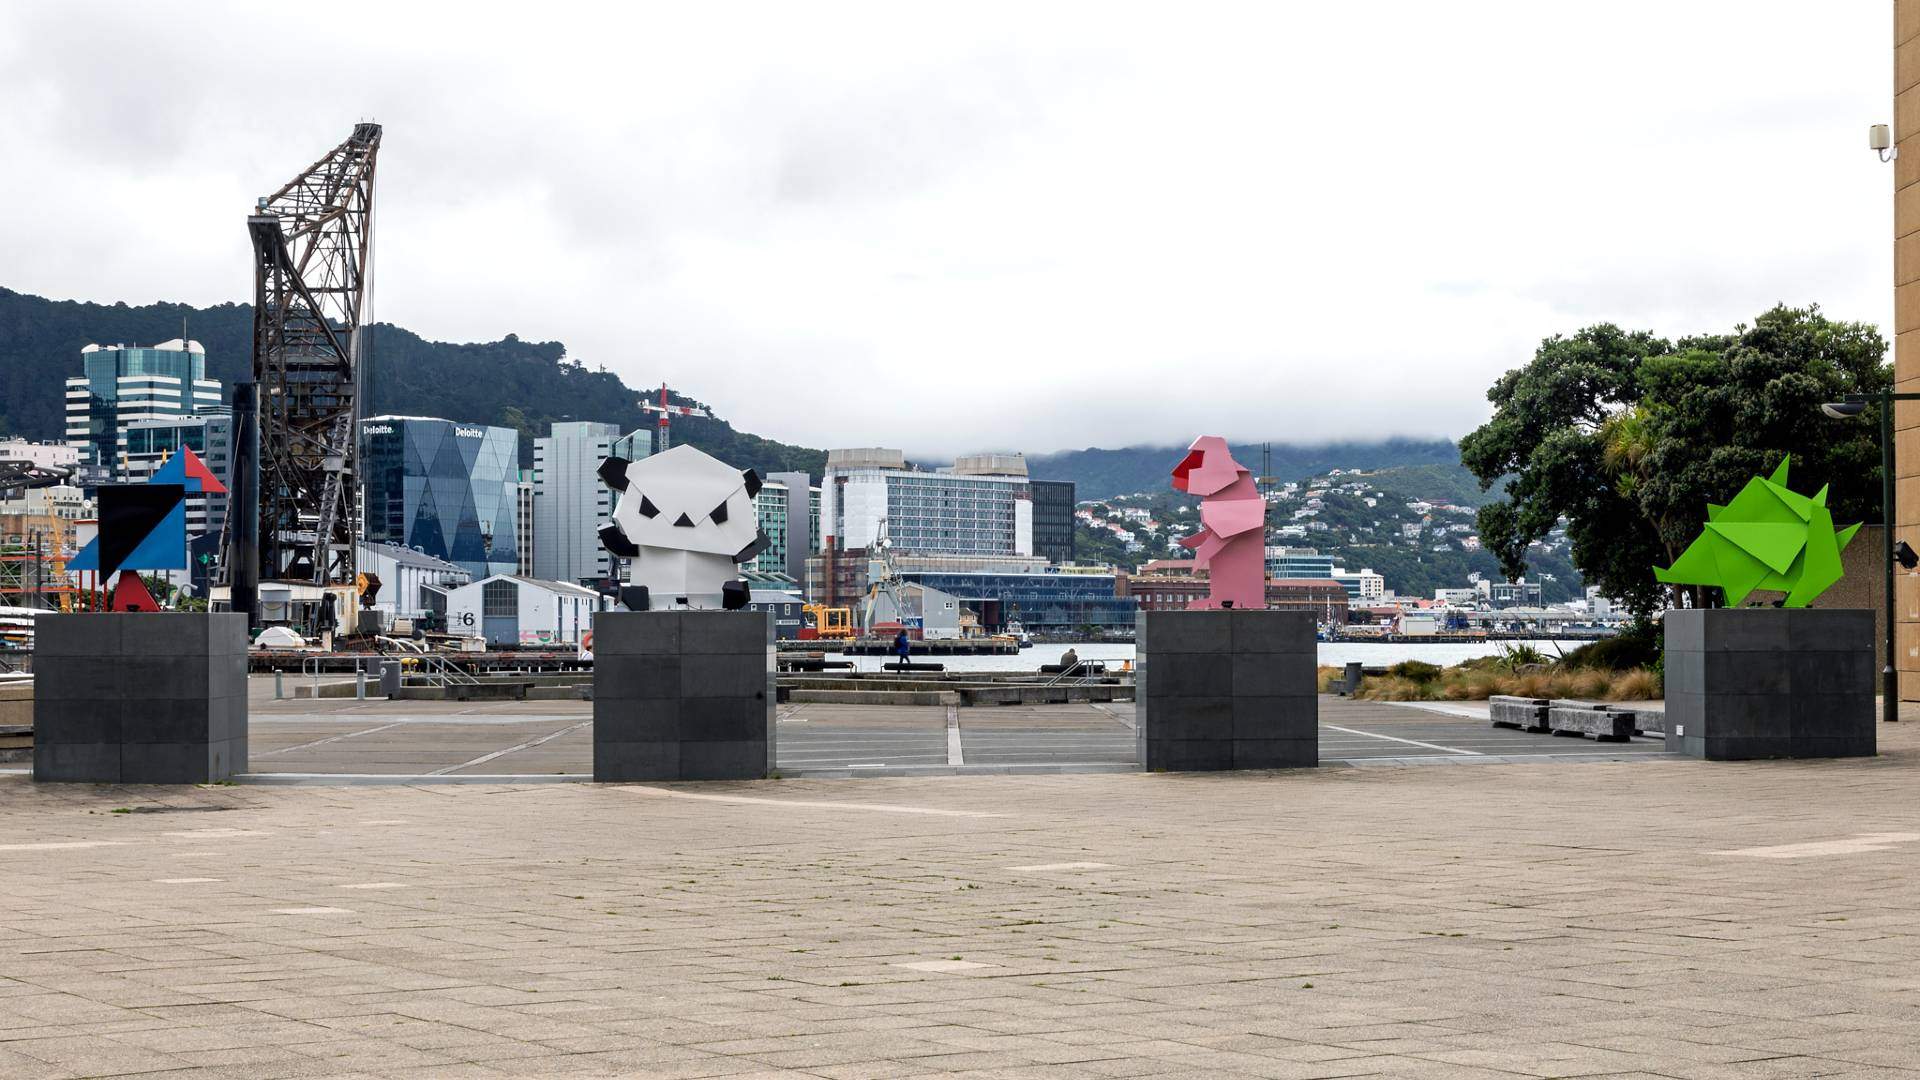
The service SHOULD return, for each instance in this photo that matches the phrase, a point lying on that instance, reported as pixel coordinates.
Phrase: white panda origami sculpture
(685, 521)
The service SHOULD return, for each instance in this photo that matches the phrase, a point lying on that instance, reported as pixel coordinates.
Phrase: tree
(1628, 437)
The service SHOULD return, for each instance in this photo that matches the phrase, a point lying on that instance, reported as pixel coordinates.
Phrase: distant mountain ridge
(526, 385)
(518, 384)
(1100, 474)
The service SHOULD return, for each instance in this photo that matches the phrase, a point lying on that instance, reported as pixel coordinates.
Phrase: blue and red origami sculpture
(144, 527)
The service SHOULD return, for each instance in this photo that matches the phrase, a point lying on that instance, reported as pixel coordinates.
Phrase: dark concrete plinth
(1227, 690)
(146, 698)
(1770, 683)
(683, 695)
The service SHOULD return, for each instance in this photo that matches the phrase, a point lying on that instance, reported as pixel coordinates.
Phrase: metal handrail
(438, 671)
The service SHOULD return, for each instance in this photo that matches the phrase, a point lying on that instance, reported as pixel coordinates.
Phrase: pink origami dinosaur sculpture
(1232, 542)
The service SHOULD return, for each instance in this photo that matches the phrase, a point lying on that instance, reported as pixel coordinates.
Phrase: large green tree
(1628, 436)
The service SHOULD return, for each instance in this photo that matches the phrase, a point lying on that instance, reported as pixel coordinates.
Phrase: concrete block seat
(1600, 724)
(1527, 714)
(683, 695)
(1746, 683)
(140, 698)
(1227, 689)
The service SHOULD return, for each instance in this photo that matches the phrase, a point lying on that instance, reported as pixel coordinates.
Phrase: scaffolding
(33, 571)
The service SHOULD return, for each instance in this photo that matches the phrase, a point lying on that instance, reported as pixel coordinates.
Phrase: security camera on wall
(685, 521)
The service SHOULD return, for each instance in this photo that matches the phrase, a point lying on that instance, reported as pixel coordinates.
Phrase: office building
(1522, 593)
(771, 507)
(523, 520)
(570, 501)
(798, 523)
(121, 384)
(1365, 587)
(1052, 519)
(146, 445)
(47, 455)
(446, 489)
(1039, 602)
(980, 506)
(1293, 563)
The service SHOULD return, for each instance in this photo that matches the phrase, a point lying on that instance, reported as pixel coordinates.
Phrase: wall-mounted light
(1880, 141)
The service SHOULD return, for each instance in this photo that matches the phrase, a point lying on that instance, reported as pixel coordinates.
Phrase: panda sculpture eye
(719, 514)
(647, 509)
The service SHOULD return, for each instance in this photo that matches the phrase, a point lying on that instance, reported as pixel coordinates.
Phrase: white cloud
(1033, 226)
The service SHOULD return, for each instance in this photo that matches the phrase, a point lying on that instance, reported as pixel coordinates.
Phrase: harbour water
(1333, 653)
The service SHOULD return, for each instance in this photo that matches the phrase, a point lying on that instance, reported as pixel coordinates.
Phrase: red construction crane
(667, 411)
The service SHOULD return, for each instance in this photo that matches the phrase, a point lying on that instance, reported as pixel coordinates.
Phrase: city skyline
(812, 213)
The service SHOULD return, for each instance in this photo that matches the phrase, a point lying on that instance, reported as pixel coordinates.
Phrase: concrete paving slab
(1659, 917)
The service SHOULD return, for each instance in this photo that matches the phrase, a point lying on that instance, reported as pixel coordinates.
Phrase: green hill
(1102, 474)
(513, 383)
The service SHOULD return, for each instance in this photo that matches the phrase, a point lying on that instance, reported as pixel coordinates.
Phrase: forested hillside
(513, 383)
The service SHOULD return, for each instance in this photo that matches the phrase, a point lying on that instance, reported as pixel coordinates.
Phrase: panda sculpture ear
(616, 542)
(752, 478)
(613, 472)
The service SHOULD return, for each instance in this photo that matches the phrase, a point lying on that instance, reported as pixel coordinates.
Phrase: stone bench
(1599, 723)
(1646, 721)
(1527, 714)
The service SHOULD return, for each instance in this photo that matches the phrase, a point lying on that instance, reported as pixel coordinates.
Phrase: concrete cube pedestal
(1233, 689)
(140, 698)
(1747, 683)
(683, 695)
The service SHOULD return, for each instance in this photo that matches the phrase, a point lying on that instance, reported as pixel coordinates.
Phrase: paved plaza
(1533, 918)
(330, 738)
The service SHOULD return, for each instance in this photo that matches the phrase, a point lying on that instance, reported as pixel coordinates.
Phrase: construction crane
(313, 249)
(667, 411)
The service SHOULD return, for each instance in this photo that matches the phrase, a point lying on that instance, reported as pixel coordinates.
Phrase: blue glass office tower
(449, 490)
(125, 384)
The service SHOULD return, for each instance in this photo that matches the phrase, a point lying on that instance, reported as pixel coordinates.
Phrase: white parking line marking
(312, 911)
(61, 845)
(323, 742)
(1396, 738)
(954, 754)
(377, 885)
(1855, 845)
(1468, 712)
(1042, 868)
(183, 880)
(528, 745)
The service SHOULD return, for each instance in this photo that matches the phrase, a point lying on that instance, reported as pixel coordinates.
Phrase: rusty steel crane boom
(312, 246)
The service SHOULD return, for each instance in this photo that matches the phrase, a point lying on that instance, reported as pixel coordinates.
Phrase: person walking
(902, 648)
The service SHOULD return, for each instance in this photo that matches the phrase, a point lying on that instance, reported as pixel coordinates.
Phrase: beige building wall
(1906, 318)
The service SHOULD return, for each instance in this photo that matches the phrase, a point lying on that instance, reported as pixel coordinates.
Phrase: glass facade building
(122, 384)
(1298, 563)
(1042, 603)
(448, 490)
(1053, 519)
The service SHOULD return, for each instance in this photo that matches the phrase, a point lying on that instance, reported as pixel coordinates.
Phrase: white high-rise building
(570, 502)
(981, 506)
(121, 384)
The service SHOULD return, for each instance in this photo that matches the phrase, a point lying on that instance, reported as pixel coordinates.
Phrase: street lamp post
(1853, 406)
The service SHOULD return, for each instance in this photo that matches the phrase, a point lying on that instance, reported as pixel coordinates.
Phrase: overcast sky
(949, 227)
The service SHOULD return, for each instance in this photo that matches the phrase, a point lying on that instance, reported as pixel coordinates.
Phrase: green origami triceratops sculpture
(1767, 538)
